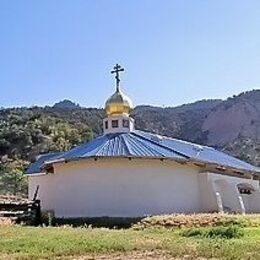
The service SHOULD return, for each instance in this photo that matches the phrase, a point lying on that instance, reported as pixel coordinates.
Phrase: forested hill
(232, 125)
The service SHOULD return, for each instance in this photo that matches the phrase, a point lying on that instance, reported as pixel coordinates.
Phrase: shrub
(192, 232)
(225, 232)
(216, 232)
(199, 220)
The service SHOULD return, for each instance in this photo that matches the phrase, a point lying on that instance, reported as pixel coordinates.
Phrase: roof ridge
(178, 140)
(161, 145)
(146, 147)
(132, 142)
(102, 146)
(126, 144)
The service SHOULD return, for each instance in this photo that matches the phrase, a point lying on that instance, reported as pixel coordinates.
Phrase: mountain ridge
(231, 125)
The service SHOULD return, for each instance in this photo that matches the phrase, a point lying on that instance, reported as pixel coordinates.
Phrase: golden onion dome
(118, 104)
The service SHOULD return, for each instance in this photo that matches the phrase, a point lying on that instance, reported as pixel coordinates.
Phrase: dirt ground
(138, 255)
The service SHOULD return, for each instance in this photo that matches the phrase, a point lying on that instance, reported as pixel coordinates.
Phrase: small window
(114, 123)
(50, 170)
(245, 188)
(125, 123)
(245, 191)
(106, 124)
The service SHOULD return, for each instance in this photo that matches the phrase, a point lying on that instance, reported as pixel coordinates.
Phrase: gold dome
(118, 104)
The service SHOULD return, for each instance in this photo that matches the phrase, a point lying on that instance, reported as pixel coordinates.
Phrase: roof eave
(222, 168)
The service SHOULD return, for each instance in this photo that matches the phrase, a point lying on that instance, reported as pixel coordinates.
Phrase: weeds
(229, 241)
(198, 220)
(216, 232)
(225, 232)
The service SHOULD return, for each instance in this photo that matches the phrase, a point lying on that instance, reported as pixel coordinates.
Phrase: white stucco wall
(253, 202)
(226, 186)
(207, 194)
(118, 188)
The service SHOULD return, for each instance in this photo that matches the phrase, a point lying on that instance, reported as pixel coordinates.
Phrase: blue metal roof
(142, 144)
(40, 160)
(203, 153)
(120, 144)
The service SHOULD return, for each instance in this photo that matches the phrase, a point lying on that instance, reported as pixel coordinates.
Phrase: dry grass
(198, 220)
(98, 243)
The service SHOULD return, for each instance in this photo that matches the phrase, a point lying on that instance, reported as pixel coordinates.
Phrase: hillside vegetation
(232, 125)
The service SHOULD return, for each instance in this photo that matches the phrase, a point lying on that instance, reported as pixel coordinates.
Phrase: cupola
(118, 108)
(118, 104)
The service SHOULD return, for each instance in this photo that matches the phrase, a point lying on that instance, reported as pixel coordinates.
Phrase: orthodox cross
(116, 70)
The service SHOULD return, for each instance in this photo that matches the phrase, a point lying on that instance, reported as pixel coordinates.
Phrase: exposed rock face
(237, 117)
(247, 149)
(66, 104)
(232, 125)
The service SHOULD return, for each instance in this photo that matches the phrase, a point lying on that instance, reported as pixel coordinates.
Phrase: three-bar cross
(116, 70)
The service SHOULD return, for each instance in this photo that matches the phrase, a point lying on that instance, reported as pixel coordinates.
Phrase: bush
(216, 232)
(194, 232)
(225, 232)
(199, 220)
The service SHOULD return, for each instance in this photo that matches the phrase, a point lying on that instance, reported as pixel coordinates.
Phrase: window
(245, 191)
(50, 170)
(125, 123)
(114, 123)
(245, 188)
(106, 124)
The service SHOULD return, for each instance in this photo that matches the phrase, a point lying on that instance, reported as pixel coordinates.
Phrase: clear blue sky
(174, 51)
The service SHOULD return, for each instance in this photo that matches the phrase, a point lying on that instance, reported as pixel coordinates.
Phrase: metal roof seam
(149, 148)
(114, 143)
(134, 147)
(140, 147)
(145, 148)
(126, 144)
(179, 140)
(80, 147)
(164, 146)
(102, 146)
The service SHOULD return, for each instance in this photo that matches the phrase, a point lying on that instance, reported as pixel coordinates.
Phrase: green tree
(12, 178)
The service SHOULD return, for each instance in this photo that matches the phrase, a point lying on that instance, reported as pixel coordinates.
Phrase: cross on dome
(118, 103)
(117, 68)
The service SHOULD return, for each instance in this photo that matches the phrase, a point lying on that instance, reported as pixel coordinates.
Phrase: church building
(132, 173)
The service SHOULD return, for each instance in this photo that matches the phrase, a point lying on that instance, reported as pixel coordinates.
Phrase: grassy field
(17, 242)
